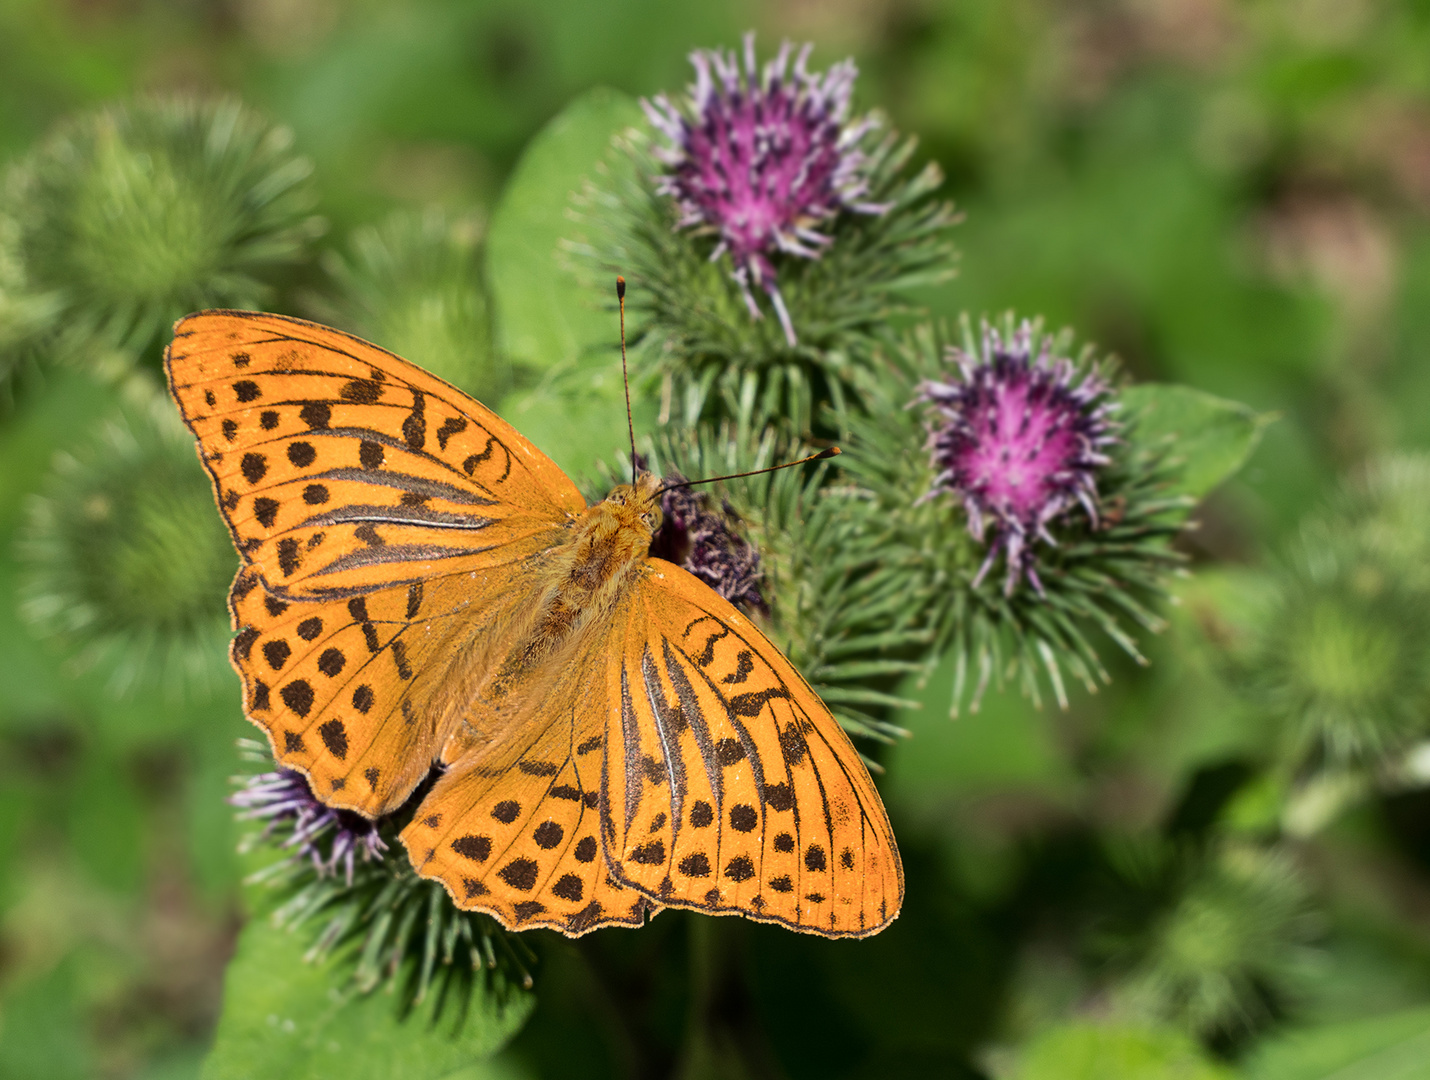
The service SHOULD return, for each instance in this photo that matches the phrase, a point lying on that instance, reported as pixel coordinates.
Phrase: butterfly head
(637, 506)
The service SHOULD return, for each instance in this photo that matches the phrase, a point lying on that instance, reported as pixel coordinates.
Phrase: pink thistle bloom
(700, 538)
(760, 159)
(284, 796)
(1020, 441)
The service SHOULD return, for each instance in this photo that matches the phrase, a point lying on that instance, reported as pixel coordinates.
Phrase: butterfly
(420, 584)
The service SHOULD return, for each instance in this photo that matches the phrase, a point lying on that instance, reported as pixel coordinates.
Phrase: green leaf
(1091, 1052)
(1210, 437)
(284, 1019)
(44, 1033)
(1005, 744)
(543, 317)
(1394, 1047)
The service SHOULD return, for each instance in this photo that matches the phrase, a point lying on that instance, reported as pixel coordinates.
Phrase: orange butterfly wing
(386, 520)
(727, 785)
(357, 694)
(341, 468)
(513, 829)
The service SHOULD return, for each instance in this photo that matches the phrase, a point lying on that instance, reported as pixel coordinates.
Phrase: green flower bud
(135, 215)
(414, 284)
(127, 560)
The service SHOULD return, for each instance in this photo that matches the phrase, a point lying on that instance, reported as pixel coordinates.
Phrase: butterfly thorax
(593, 571)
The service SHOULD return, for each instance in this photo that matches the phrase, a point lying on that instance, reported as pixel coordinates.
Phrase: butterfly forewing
(513, 827)
(727, 784)
(341, 468)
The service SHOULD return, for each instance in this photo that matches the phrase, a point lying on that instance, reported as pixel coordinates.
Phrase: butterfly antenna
(625, 376)
(833, 451)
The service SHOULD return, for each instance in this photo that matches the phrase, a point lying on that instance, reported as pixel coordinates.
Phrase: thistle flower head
(1019, 440)
(136, 214)
(1342, 659)
(414, 283)
(701, 538)
(383, 924)
(331, 839)
(126, 560)
(1239, 934)
(761, 157)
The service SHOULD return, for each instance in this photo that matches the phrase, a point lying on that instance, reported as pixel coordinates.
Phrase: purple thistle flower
(695, 536)
(760, 159)
(283, 796)
(1019, 440)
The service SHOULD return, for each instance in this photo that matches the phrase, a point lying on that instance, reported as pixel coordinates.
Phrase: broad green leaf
(284, 1019)
(1006, 743)
(1394, 1047)
(42, 1031)
(1092, 1052)
(1210, 437)
(581, 418)
(542, 316)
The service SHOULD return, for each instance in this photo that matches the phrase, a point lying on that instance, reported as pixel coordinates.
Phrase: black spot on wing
(335, 738)
(265, 510)
(453, 425)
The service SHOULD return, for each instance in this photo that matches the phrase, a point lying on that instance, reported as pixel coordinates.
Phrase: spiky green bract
(126, 561)
(1386, 507)
(386, 927)
(1099, 579)
(1342, 658)
(414, 284)
(690, 323)
(836, 604)
(26, 314)
(1230, 947)
(137, 214)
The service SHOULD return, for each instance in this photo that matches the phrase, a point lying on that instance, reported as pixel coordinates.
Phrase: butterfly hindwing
(512, 829)
(728, 786)
(341, 468)
(352, 692)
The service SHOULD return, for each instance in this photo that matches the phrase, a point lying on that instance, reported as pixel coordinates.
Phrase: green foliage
(413, 284)
(1392, 1047)
(284, 1019)
(544, 317)
(1209, 438)
(1089, 1052)
(126, 558)
(1213, 867)
(546, 321)
(131, 217)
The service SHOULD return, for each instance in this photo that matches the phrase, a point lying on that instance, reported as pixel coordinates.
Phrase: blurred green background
(1233, 194)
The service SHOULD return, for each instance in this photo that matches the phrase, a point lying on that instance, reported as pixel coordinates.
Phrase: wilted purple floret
(1019, 440)
(699, 538)
(761, 159)
(284, 795)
